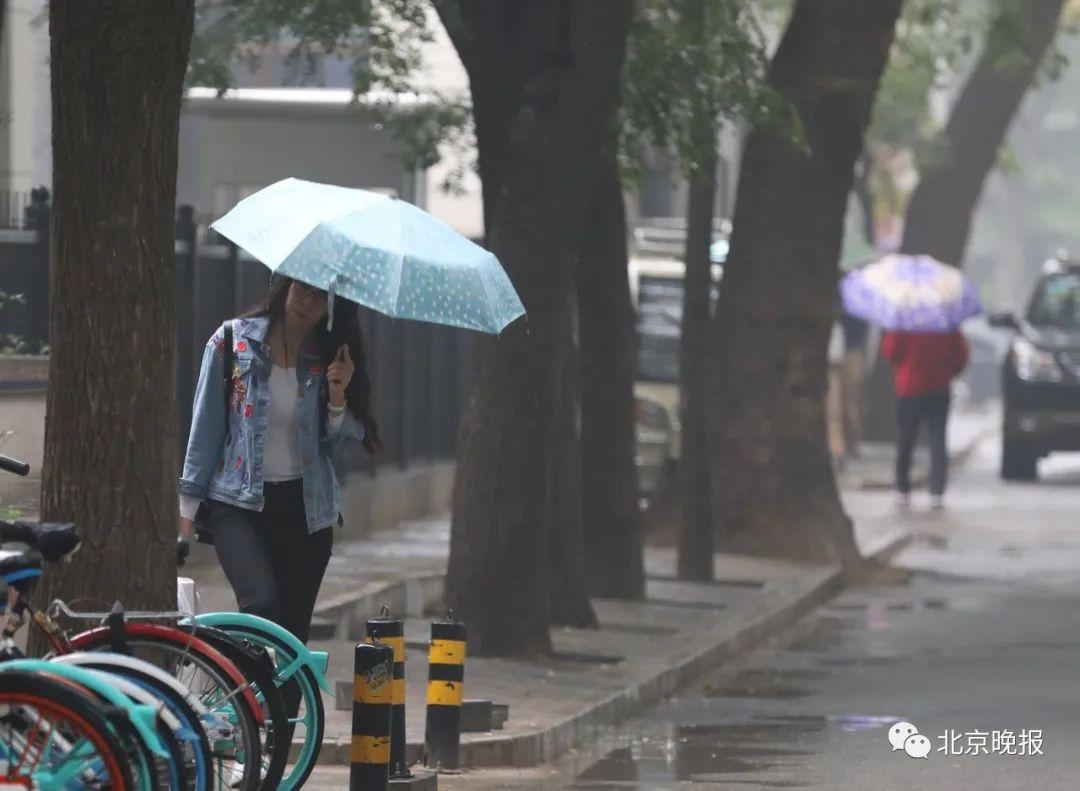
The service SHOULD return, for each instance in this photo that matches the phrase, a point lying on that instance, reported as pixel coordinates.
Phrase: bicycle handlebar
(14, 465)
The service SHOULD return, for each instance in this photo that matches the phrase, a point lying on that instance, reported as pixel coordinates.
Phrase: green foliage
(382, 38)
(934, 38)
(14, 344)
(9, 513)
(689, 59)
(936, 42)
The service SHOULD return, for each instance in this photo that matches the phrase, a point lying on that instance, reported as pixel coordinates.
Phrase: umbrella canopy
(374, 250)
(910, 293)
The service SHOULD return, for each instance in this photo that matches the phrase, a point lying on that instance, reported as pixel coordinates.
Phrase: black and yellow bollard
(372, 692)
(446, 677)
(391, 631)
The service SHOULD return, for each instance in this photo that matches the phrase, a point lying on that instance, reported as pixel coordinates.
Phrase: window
(1057, 302)
(659, 322)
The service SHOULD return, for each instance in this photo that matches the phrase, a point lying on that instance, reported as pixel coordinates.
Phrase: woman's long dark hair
(346, 330)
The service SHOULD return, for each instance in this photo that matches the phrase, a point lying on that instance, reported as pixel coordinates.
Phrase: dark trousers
(275, 566)
(912, 411)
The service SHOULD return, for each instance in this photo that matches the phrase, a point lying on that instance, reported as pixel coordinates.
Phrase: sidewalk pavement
(596, 677)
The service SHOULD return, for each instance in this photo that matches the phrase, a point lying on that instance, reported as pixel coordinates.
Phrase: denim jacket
(228, 465)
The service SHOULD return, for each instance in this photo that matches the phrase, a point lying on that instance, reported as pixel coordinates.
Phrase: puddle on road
(699, 753)
(696, 750)
(765, 684)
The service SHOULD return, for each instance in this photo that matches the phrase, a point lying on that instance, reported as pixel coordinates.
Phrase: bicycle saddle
(53, 539)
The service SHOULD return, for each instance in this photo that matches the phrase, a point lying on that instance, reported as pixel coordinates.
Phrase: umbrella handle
(330, 293)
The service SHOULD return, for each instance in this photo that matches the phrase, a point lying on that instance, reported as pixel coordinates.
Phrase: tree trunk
(570, 604)
(775, 493)
(940, 211)
(695, 535)
(544, 78)
(613, 522)
(110, 430)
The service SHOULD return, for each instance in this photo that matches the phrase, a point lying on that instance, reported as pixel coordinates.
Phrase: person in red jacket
(924, 365)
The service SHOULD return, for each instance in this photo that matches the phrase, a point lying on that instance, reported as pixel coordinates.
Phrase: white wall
(25, 112)
(228, 145)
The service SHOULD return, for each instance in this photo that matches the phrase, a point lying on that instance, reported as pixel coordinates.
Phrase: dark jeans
(274, 565)
(912, 411)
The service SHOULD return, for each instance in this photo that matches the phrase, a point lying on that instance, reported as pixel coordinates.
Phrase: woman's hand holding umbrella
(339, 374)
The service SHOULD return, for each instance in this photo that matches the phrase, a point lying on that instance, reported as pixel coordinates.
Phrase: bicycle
(259, 645)
(232, 710)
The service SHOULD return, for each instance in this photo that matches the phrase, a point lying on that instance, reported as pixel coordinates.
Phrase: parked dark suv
(1041, 376)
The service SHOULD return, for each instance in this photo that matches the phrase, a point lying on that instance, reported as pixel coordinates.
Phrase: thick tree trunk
(775, 493)
(544, 78)
(570, 604)
(940, 211)
(613, 523)
(696, 533)
(110, 432)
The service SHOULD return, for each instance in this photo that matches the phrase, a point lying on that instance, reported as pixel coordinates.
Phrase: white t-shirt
(281, 452)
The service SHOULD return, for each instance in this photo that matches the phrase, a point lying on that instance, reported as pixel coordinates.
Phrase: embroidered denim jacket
(228, 465)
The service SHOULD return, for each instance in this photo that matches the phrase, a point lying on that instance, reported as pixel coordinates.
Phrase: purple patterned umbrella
(913, 293)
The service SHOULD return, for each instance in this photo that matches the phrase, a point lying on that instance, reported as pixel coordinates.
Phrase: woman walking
(924, 364)
(258, 470)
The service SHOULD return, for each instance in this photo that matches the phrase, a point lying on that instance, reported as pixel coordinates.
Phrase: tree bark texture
(544, 78)
(695, 534)
(110, 431)
(570, 604)
(939, 214)
(613, 523)
(774, 489)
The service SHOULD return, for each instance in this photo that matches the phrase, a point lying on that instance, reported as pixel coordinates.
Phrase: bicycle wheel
(249, 659)
(167, 772)
(53, 735)
(310, 721)
(179, 702)
(231, 725)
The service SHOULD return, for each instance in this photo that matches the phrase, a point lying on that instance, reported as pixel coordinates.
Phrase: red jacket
(924, 362)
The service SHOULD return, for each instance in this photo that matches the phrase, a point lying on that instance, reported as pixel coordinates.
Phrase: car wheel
(1019, 462)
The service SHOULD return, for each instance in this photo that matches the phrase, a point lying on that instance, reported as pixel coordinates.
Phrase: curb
(542, 746)
(410, 597)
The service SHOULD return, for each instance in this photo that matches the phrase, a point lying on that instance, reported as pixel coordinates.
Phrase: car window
(659, 326)
(659, 321)
(1057, 302)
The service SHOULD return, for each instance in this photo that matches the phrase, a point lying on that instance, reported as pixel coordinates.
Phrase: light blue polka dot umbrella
(374, 250)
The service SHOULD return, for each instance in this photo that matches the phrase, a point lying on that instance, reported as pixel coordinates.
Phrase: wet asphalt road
(982, 643)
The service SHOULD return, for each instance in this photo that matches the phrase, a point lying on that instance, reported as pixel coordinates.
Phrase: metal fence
(419, 372)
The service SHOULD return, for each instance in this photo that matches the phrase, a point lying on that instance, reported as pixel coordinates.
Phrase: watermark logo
(905, 736)
(1027, 742)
